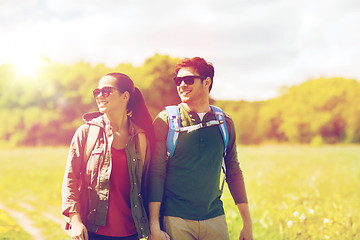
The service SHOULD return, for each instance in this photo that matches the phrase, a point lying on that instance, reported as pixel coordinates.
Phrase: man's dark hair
(199, 64)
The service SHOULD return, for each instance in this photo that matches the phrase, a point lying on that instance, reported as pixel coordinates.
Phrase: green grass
(9, 228)
(300, 192)
(294, 192)
(31, 182)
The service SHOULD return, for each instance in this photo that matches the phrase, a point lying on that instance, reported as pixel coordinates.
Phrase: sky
(256, 46)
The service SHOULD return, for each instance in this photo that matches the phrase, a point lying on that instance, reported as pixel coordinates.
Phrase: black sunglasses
(105, 91)
(188, 80)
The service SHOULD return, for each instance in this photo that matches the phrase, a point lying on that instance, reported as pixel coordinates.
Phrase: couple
(119, 170)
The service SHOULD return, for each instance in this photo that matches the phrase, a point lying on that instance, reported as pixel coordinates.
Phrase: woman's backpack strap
(92, 136)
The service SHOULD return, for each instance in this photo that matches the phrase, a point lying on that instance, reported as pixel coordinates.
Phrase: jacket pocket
(93, 166)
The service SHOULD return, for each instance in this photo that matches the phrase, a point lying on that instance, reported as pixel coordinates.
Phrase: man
(186, 186)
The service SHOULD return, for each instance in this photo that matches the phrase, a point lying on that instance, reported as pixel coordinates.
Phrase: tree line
(318, 111)
(47, 109)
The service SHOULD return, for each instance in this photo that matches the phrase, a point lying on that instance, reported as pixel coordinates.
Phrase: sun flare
(28, 66)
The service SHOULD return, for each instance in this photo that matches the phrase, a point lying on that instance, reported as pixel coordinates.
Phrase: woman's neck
(118, 122)
(120, 129)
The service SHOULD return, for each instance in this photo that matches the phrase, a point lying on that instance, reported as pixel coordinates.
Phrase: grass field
(294, 192)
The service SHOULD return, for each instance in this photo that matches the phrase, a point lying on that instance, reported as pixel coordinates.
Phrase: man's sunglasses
(188, 80)
(105, 91)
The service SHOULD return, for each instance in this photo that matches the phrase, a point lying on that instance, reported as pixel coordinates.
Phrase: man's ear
(207, 82)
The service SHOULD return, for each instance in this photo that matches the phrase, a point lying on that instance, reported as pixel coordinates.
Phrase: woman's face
(110, 99)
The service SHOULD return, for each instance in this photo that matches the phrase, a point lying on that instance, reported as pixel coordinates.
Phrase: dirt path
(24, 222)
(57, 220)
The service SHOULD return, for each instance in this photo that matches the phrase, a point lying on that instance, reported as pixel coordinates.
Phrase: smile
(102, 103)
(185, 92)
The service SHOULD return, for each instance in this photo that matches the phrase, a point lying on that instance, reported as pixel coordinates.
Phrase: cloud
(256, 46)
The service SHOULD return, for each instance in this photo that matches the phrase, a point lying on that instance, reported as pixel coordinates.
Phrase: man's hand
(246, 233)
(78, 229)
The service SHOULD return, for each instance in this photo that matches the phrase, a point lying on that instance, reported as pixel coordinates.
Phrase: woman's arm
(78, 229)
(72, 178)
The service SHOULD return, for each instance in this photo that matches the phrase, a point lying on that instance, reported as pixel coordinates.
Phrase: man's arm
(158, 162)
(237, 190)
(157, 177)
(235, 180)
(246, 232)
(154, 212)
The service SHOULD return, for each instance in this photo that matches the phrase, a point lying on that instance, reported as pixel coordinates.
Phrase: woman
(106, 173)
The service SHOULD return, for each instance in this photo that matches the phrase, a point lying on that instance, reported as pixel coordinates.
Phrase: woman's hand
(78, 229)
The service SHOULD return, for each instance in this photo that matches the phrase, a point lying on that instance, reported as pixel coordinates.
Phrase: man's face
(192, 92)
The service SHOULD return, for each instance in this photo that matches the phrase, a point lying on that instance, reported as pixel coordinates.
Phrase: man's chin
(184, 99)
(102, 110)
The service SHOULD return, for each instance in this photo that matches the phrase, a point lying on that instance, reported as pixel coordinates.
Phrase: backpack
(175, 128)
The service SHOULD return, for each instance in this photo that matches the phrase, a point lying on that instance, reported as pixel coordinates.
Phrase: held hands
(158, 235)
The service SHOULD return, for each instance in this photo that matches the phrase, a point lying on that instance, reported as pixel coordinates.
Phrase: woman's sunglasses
(105, 91)
(188, 80)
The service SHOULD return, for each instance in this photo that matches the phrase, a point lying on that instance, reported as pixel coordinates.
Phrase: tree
(160, 90)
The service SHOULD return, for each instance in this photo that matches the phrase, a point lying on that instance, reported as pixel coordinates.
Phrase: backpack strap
(142, 146)
(219, 114)
(198, 126)
(174, 126)
(92, 136)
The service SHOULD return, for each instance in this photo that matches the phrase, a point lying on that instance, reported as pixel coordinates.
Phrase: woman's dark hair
(136, 107)
(205, 69)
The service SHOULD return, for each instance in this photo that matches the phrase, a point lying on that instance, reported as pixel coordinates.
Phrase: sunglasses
(105, 91)
(188, 80)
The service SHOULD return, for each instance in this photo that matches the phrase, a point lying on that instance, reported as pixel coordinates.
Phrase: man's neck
(199, 107)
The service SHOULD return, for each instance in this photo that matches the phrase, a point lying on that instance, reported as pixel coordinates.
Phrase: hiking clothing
(210, 229)
(93, 236)
(119, 221)
(187, 184)
(86, 182)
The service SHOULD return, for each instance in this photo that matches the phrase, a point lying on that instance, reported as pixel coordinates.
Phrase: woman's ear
(126, 96)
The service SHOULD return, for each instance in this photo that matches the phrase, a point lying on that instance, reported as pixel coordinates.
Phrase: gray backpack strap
(142, 146)
(92, 136)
